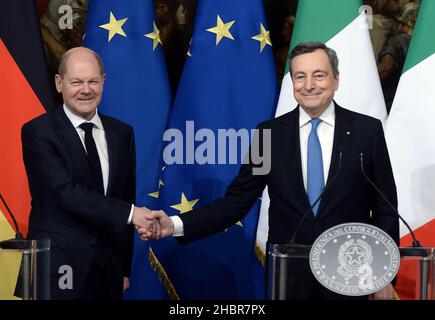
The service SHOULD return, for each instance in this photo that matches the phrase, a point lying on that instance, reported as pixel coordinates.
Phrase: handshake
(152, 224)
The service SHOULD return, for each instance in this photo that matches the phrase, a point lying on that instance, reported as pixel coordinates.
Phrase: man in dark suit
(81, 171)
(311, 146)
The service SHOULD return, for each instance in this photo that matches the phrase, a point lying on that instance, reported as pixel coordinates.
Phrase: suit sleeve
(239, 197)
(131, 194)
(383, 216)
(48, 173)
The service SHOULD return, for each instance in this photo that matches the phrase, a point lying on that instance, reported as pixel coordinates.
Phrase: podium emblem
(354, 259)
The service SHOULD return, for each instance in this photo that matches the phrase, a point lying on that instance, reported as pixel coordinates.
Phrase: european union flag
(228, 86)
(136, 89)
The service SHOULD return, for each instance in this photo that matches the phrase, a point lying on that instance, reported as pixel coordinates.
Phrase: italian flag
(411, 142)
(342, 26)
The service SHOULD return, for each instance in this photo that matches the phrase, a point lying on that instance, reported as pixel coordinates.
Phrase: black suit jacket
(66, 206)
(349, 199)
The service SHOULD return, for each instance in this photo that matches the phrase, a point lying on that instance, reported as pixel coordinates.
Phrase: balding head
(80, 52)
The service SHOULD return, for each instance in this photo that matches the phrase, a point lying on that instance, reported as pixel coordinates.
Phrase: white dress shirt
(325, 132)
(99, 136)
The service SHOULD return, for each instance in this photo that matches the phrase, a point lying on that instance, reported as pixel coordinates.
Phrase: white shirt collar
(77, 121)
(328, 116)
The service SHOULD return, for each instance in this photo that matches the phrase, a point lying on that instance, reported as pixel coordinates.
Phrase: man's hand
(165, 226)
(386, 293)
(143, 220)
(126, 284)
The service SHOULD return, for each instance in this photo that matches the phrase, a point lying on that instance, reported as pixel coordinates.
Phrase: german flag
(25, 92)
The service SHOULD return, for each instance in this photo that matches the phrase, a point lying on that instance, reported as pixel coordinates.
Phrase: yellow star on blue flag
(155, 36)
(263, 38)
(222, 30)
(185, 205)
(114, 26)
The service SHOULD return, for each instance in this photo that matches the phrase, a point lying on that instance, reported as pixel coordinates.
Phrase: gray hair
(308, 47)
(64, 59)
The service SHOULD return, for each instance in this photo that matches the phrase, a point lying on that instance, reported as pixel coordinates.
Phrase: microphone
(327, 187)
(415, 242)
(10, 244)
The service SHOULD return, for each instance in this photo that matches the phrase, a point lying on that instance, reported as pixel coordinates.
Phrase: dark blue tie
(93, 158)
(315, 179)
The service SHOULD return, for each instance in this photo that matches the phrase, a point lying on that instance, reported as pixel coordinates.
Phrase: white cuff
(178, 226)
(130, 217)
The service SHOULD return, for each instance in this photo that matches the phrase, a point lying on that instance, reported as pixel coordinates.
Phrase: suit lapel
(342, 139)
(292, 157)
(68, 135)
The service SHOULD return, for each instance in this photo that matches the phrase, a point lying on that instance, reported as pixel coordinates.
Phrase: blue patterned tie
(315, 183)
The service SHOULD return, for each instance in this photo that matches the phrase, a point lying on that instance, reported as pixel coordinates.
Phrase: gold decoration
(161, 274)
(260, 253)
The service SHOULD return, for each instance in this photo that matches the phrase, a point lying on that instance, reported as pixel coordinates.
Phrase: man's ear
(102, 81)
(58, 82)
(337, 78)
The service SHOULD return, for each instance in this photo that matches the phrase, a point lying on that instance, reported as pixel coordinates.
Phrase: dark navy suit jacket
(81, 223)
(349, 199)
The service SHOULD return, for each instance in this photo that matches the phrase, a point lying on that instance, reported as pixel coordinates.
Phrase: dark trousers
(100, 283)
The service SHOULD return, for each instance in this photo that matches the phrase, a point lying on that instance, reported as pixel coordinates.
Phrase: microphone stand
(415, 250)
(12, 243)
(415, 241)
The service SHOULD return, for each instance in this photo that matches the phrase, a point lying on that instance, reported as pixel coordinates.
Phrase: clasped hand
(152, 224)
